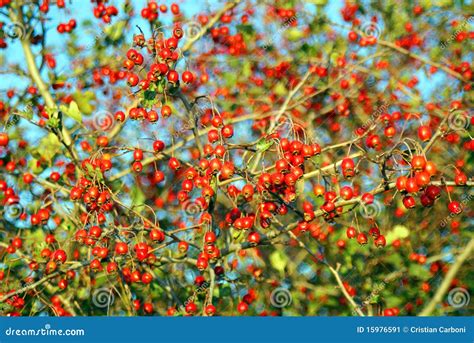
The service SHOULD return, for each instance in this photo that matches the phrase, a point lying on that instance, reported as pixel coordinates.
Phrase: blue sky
(82, 10)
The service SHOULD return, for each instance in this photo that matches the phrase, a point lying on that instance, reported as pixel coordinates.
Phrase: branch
(40, 281)
(65, 137)
(209, 24)
(275, 120)
(443, 288)
(344, 291)
(421, 58)
(191, 118)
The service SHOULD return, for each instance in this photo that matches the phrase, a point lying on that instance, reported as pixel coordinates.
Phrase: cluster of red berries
(247, 300)
(210, 252)
(67, 27)
(389, 312)
(421, 173)
(466, 70)
(158, 146)
(362, 237)
(17, 302)
(113, 76)
(9, 196)
(409, 41)
(147, 306)
(419, 258)
(150, 12)
(97, 238)
(95, 196)
(104, 12)
(288, 169)
(233, 44)
(160, 73)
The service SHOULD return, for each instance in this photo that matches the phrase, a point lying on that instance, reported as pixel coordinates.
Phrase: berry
(455, 207)
(187, 77)
(4, 139)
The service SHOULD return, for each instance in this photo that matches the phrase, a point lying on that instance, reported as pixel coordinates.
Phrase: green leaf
(115, 32)
(419, 272)
(237, 235)
(398, 231)
(279, 89)
(137, 195)
(279, 260)
(317, 2)
(263, 144)
(48, 147)
(83, 100)
(247, 69)
(35, 166)
(149, 95)
(72, 111)
(294, 34)
(230, 79)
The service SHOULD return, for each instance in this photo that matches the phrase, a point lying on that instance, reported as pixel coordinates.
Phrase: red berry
(351, 232)
(4, 139)
(424, 133)
(121, 248)
(173, 76)
(454, 207)
(187, 77)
